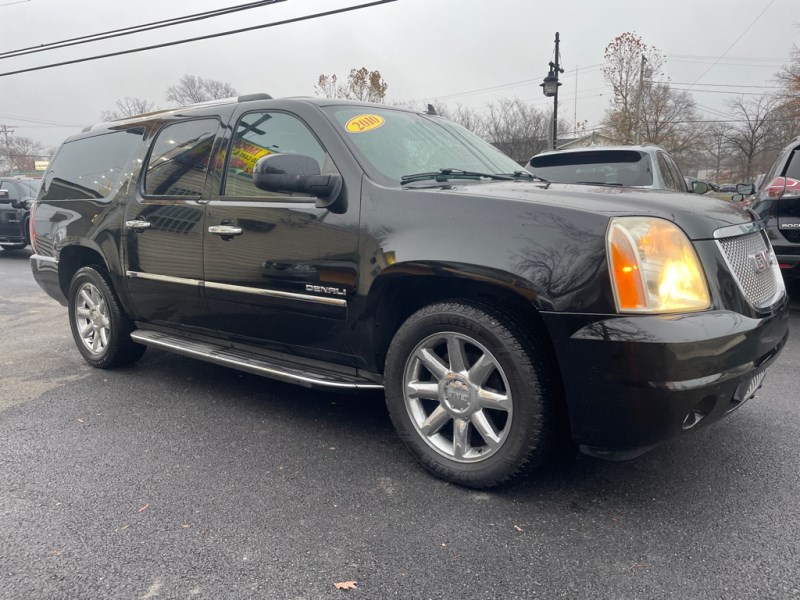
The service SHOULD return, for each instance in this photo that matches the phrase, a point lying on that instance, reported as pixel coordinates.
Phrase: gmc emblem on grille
(760, 261)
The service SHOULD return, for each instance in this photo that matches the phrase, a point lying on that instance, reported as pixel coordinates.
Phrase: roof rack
(258, 96)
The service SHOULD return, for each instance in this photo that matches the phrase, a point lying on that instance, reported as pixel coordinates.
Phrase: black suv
(354, 246)
(777, 202)
(16, 196)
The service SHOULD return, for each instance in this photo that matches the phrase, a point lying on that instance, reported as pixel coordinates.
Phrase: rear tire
(471, 393)
(100, 327)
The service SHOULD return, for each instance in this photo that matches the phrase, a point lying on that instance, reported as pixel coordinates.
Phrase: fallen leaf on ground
(346, 585)
(518, 528)
(186, 525)
(80, 420)
(143, 508)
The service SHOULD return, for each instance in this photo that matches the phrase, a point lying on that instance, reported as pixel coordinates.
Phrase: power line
(741, 35)
(42, 121)
(202, 37)
(717, 92)
(104, 35)
(17, 2)
(763, 87)
(743, 58)
(510, 84)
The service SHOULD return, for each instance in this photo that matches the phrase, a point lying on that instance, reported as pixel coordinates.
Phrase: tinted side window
(13, 194)
(90, 167)
(677, 176)
(666, 172)
(179, 159)
(793, 168)
(262, 133)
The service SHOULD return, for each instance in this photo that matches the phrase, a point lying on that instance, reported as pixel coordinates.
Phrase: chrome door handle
(137, 224)
(225, 230)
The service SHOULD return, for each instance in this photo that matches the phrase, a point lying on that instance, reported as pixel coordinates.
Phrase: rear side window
(13, 194)
(612, 167)
(90, 168)
(179, 159)
(793, 168)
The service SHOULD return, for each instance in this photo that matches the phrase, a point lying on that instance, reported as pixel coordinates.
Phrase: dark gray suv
(645, 166)
(16, 197)
(777, 202)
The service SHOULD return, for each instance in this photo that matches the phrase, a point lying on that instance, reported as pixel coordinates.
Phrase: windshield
(609, 167)
(395, 143)
(30, 187)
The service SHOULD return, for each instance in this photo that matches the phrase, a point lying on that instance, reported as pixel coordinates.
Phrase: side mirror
(700, 187)
(745, 189)
(296, 173)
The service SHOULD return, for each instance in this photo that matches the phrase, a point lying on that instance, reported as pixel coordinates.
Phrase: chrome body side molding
(239, 288)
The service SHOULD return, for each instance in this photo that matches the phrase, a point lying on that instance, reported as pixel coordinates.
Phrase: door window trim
(169, 199)
(284, 198)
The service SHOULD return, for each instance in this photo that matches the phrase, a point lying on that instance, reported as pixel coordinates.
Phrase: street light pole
(550, 87)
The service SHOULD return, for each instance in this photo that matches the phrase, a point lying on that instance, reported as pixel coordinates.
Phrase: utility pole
(639, 100)
(550, 87)
(557, 69)
(4, 129)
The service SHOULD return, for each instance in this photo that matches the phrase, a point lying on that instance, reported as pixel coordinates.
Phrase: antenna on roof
(431, 110)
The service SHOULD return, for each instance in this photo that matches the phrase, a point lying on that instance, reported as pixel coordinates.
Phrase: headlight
(654, 268)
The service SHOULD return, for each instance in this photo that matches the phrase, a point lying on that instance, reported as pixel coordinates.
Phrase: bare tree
(362, 85)
(669, 118)
(716, 145)
(752, 132)
(128, 107)
(192, 89)
(628, 60)
(789, 77)
(518, 129)
(22, 153)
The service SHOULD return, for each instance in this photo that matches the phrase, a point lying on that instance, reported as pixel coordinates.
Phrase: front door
(278, 270)
(164, 225)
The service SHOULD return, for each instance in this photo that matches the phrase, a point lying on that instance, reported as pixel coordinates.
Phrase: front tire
(470, 391)
(100, 327)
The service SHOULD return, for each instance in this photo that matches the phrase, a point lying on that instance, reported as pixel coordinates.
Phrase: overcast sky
(426, 50)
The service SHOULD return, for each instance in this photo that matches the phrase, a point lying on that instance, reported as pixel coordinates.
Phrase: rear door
(10, 221)
(163, 233)
(788, 205)
(284, 274)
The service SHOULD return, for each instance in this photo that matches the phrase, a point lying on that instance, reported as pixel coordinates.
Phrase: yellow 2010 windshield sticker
(362, 123)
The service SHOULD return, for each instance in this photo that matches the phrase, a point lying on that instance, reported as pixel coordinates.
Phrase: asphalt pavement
(179, 479)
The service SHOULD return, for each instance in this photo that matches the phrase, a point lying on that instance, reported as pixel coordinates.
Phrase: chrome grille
(761, 288)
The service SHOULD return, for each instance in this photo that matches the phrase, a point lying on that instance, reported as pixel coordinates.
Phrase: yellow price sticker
(362, 123)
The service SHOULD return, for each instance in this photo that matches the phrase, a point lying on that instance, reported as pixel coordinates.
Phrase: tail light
(32, 227)
(784, 187)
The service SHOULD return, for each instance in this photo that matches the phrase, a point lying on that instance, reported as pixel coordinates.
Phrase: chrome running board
(313, 377)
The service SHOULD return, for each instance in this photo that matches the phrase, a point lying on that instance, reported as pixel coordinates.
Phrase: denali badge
(761, 261)
(325, 290)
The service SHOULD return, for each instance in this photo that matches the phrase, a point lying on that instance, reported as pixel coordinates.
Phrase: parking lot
(179, 479)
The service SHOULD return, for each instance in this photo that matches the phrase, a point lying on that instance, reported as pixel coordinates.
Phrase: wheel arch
(401, 290)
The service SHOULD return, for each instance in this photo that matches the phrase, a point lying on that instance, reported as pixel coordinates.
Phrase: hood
(698, 216)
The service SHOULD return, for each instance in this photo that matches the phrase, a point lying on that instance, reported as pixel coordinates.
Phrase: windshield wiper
(532, 176)
(598, 183)
(444, 174)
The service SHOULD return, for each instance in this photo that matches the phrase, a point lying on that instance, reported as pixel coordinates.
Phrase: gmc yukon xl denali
(351, 246)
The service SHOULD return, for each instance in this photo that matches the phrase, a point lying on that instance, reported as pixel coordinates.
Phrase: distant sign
(41, 165)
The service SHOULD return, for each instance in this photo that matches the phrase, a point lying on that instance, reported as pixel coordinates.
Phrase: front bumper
(632, 382)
